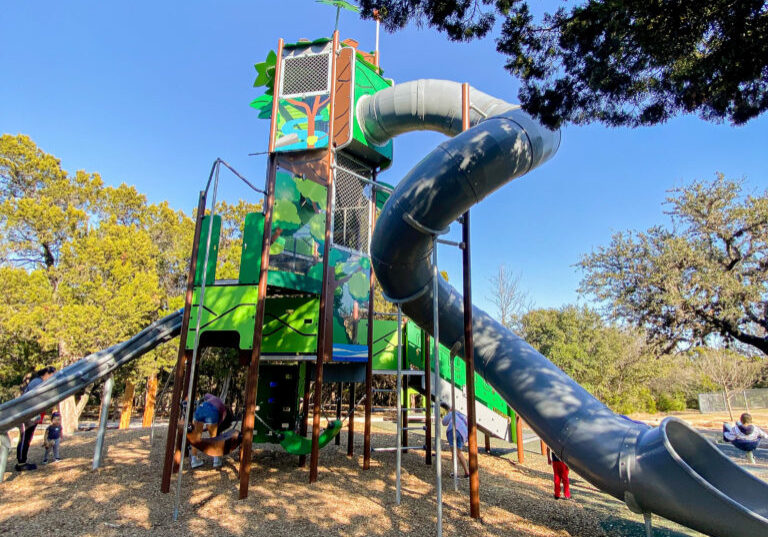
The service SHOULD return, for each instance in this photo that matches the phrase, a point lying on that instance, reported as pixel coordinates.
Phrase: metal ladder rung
(422, 428)
(401, 448)
(384, 390)
(394, 409)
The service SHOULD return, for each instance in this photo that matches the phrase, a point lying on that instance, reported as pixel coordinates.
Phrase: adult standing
(27, 429)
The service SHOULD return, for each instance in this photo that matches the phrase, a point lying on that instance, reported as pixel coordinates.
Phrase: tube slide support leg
(648, 517)
(5, 449)
(106, 398)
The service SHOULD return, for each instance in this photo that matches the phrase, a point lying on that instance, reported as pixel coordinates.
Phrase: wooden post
(252, 381)
(351, 421)
(181, 360)
(469, 348)
(149, 401)
(487, 443)
(543, 447)
(127, 405)
(428, 398)
(519, 434)
(325, 329)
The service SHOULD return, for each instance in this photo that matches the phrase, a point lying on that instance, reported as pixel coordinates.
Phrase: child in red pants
(561, 475)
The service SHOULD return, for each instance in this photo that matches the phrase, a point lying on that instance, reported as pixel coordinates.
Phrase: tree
(82, 266)
(630, 62)
(613, 364)
(730, 371)
(510, 300)
(704, 277)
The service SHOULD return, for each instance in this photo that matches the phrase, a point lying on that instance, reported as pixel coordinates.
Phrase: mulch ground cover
(123, 498)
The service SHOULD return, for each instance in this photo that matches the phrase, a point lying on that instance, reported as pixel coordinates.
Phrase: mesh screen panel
(351, 206)
(305, 74)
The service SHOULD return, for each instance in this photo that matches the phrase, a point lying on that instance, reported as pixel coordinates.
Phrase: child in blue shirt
(52, 438)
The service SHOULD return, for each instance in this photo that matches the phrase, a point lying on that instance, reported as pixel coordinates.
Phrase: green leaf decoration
(286, 215)
(359, 286)
(314, 192)
(285, 187)
(265, 72)
(316, 272)
(277, 247)
(264, 105)
(340, 4)
(317, 227)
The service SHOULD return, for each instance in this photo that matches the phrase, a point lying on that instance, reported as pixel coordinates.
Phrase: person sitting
(210, 415)
(744, 435)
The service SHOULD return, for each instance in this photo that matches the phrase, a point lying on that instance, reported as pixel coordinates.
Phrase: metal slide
(670, 470)
(77, 376)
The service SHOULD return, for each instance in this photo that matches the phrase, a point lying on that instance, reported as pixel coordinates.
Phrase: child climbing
(52, 438)
(461, 435)
(27, 429)
(561, 475)
(744, 435)
(209, 415)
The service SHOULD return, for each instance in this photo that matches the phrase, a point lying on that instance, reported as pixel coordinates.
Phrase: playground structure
(302, 306)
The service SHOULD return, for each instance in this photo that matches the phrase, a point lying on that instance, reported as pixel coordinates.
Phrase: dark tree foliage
(620, 62)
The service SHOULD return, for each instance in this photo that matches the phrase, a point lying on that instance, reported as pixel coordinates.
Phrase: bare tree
(510, 300)
(732, 372)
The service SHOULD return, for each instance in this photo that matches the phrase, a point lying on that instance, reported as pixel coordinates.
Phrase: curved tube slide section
(670, 470)
(77, 376)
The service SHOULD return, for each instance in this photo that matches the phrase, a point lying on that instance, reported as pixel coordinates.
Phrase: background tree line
(84, 266)
(681, 308)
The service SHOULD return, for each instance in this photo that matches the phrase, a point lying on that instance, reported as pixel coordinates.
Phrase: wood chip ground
(123, 498)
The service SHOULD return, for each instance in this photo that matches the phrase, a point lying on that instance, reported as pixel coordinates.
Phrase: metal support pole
(369, 363)
(195, 348)
(351, 426)
(339, 385)
(305, 411)
(436, 327)
(454, 447)
(469, 346)
(5, 449)
(428, 402)
(487, 442)
(106, 397)
(398, 390)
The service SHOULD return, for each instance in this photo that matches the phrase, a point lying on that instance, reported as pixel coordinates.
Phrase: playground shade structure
(670, 470)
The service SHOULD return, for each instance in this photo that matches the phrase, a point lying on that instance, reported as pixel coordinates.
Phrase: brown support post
(487, 443)
(305, 413)
(469, 348)
(351, 418)
(339, 387)
(173, 422)
(519, 434)
(325, 333)
(369, 364)
(180, 422)
(428, 391)
(126, 408)
(252, 382)
(543, 447)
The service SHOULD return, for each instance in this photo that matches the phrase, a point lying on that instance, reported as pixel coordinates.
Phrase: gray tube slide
(670, 470)
(77, 376)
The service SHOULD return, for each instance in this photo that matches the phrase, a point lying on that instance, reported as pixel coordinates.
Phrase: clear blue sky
(150, 93)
